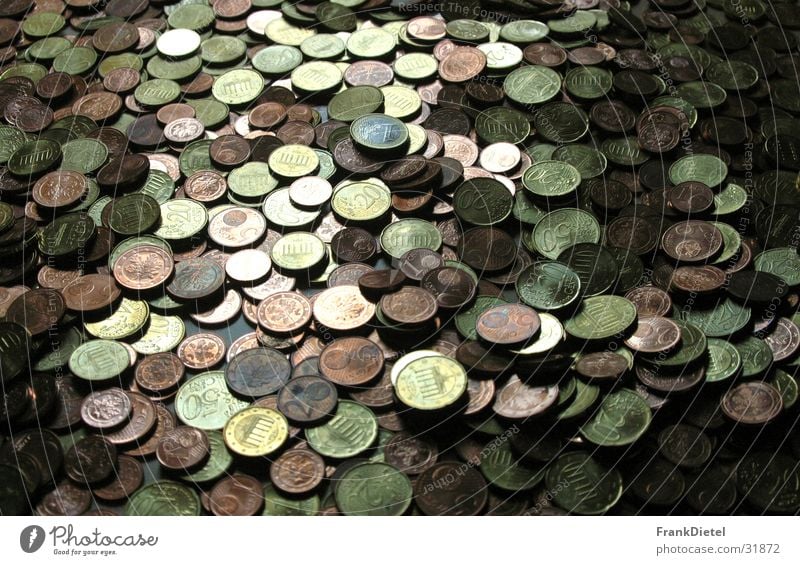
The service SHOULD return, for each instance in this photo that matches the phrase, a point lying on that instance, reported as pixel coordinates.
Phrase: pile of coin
(367, 257)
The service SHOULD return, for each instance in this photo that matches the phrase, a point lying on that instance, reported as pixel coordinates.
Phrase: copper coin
(124, 172)
(508, 324)
(50, 277)
(368, 73)
(348, 274)
(453, 287)
(753, 402)
(378, 395)
(691, 241)
(297, 471)
(162, 422)
(412, 454)
(404, 170)
(308, 399)
(451, 488)
(284, 312)
(415, 263)
(705, 278)
(142, 420)
(183, 448)
(143, 267)
(690, 197)
(267, 115)
(347, 156)
(37, 310)
(518, 400)
(66, 499)
(91, 292)
(654, 335)
(127, 480)
(462, 64)
(196, 278)
(665, 382)
(634, 233)
(480, 394)
(410, 305)
(480, 359)
(90, 460)
(205, 186)
(159, 373)
(601, 365)
(175, 111)
(487, 249)
(649, 301)
(237, 495)
(201, 351)
(107, 408)
(296, 132)
(342, 308)
(122, 80)
(545, 54)
(35, 119)
(353, 244)
(54, 85)
(379, 282)
(229, 151)
(351, 361)
(258, 372)
(67, 411)
(98, 106)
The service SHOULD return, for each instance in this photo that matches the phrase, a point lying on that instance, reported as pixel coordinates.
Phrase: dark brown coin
(127, 480)
(106, 408)
(67, 499)
(482, 360)
(453, 288)
(296, 132)
(183, 448)
(404, 170)
(752, 403)
(196, 278)
(54, 85)
(267, 115)
(480, 394)
(122, 80)
(410, 453)
(601, 365)
(160, 421)
(508, 324)
(690, 197)
(229, 151)
(159, 373)
(351, 361)
(691, 241)
(662, 381)
(487, 249)
(654, 335)
(649, 301)
(91, 292)
(545, 54)
(37, 310)
(124, 173)
(633, 233)
(237, 495)
(297, 471)
(376, 283)
(351, 159)
(308, 399)
(705, 278)
(115, 38)
(378, 395)
(67, 411)
(353, 244)
(409, 305)
(91, 460)
(415, 263)
(258, 372)
(451, 488)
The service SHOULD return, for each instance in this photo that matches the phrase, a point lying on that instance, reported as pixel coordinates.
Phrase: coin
(182, 448)
(256, 431)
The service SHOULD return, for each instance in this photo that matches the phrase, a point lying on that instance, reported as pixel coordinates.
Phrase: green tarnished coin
(730, 200)
(33, 158)
(578, 23)
(692, 346)
(193, 16)
(585, 397)
(415, 67)
(601, 317)
(316, 76)
(525, 210)
(379, 132)
(351, 431)
(595, 266)
(280, 211)
(588, 83)
(786, 384)
(42, 24)
(724, 360)
(219, 460)
(276, 504)
(524, 31)
(157, 92)
(177, 70)
(181, 219)
(689, 111)
(431, 383)
(209, 112)
(708, 169)
(505, 470)
(482, 201)
(85, 155)
(589, 162)
(551, 179)
(75, 60)
(222, 50)
(163, 334)
(498, 123)
(726, 317)
(238, 87)
(337, 16)
(7, 218)
(624, 151)
(355, 102)
(47, 49)
(11, 139)
(99, 360)
(361, 201)
(251, 180)
(560, 122)
(68, 341)
(298, 251)
(14, 345)
(401, 102)
(731, 242)
(159, 186)
(322, 46)
(562, 229)
(66, 235)
(374, 489)
(133, 214)
(770, 481)
(121, 61)
(371, 43)
(702, 94)
(293, 161)
(284, 33)
(468, 30)
(756, 356)
(581, 485)
(164, 498)
(467, 318)
(533, 84)
(410, 233)
(277, 59)
(732, 75)
(548, 285)
(205, 402)
(782, 262)
(32, 71)
(622, 418)
(128, 319)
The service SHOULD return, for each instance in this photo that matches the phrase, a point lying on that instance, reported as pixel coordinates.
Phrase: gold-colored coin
(293, 161)
(129, 317)
(256, 431)
(431, 383)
